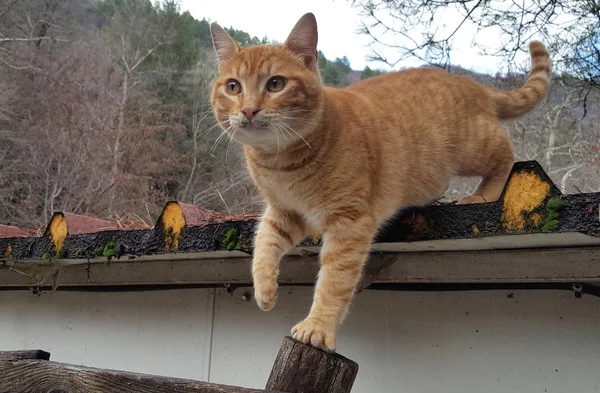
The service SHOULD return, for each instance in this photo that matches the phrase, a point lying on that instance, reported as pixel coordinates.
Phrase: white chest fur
(285, 192)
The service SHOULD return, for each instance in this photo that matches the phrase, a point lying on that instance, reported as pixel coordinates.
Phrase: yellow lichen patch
(173, 222)
(525, 192)
(58, 231)
(8, 251)
(537, 219)
(475, 230)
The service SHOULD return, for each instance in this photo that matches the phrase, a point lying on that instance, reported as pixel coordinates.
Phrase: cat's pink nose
(250, 112)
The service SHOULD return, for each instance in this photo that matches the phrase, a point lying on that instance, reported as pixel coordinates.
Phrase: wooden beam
(300, 368)
(544, 265)
(558, 265)
(42, 376)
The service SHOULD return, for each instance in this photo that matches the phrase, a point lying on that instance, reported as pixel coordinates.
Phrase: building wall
(409, 342)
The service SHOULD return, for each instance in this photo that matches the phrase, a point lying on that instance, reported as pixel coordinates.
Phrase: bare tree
(426, 29)
(561, 142)
(135, 35)
(26, 23)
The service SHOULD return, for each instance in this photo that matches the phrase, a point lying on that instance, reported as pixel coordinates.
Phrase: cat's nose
(250, 112)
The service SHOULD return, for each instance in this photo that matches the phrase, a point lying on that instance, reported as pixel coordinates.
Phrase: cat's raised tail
(516, 103)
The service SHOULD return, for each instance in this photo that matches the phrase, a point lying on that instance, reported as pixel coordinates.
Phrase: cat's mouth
(263, 131)
(256, 123)
(255, 130)
(256, 133)
(258, 126)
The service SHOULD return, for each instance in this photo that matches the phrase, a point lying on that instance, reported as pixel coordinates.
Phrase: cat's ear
(224, 45)
(303, 39)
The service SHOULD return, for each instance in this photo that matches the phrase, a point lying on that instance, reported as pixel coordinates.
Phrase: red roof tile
(197, 216)
(10, 231)
(77, 223)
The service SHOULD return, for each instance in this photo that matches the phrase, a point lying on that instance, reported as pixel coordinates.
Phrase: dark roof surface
(530, 203)
(531, 213)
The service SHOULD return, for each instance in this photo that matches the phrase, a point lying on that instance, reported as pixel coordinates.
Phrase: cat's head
(268, 96)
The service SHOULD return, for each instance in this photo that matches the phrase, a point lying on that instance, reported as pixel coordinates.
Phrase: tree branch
(20, 39)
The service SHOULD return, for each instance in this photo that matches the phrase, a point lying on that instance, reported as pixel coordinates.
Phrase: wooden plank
(377, 265)
(300, 368)
(28, 354)
(567, 264)
(39, 376)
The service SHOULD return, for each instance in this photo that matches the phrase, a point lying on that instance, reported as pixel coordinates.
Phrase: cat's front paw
(316, 333)
(265, 294)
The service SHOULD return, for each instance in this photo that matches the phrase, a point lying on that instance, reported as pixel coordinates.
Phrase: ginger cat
(341, 162)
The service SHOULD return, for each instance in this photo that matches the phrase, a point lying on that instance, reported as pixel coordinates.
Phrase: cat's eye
(233, 87)
(276, 83)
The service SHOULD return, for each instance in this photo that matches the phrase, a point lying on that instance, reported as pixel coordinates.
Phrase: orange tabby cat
(342, 161)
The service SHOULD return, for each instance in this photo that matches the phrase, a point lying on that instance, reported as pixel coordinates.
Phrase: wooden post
(300, 368)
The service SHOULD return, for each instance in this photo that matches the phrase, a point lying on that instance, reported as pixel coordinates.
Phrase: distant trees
(565, 144)
(147, 43)
(93, 106)
(335, 73)
(36, 101)
(244, 38)
(368, 73)
(104, 110)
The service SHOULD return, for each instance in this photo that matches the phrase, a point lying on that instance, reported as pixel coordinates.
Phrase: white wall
(152, 332)
(409, 342)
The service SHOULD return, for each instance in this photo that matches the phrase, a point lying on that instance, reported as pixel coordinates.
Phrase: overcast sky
(337, 21)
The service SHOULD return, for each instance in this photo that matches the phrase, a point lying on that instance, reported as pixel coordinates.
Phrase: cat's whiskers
(277, 131)
(279, 127)
(208, 130)
(304, 110)
(226, 115)
(224, 133)
(277, 151)
(214, 146)
(301, 120)
(231, 137)
(203, 114)
(287, 126)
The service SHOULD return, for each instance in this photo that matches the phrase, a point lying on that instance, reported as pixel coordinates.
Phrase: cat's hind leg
(493, 162)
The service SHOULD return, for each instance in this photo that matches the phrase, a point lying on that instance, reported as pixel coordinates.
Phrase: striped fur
(341, 162)
(516, 103)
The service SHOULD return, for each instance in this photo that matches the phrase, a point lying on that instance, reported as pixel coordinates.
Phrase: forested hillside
(104, 111)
